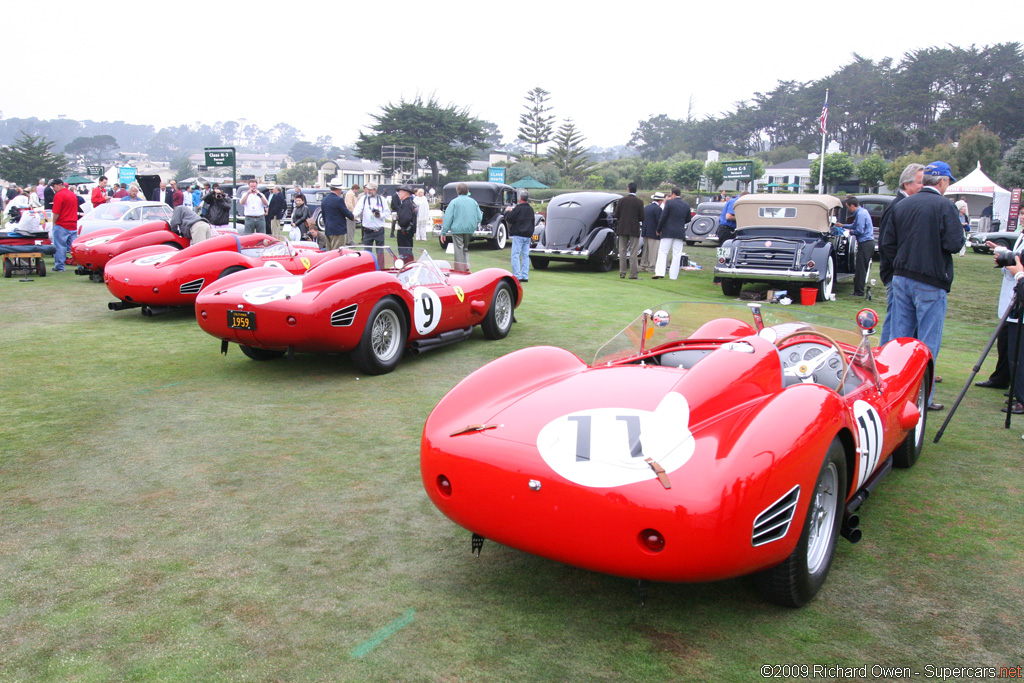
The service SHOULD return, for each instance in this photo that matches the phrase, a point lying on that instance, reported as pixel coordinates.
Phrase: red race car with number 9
(706, 441)
(365, 302)
(160, 278)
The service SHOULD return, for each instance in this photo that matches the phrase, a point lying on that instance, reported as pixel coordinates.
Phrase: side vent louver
(343, 317)
(773, 523)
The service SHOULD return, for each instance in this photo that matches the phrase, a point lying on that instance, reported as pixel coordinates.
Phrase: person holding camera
(1015, 271)
(372, 213)
(254, 209)
(218, 208)
(1000, 377)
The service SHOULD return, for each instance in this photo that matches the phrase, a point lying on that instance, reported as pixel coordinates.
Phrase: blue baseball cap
(939, 168)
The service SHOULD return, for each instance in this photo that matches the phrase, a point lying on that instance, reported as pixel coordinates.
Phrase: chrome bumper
(765, 274)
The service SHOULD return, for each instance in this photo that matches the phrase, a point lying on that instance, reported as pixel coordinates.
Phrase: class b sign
(218, 156)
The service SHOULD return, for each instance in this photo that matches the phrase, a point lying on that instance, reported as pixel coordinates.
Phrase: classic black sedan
(580, 228)
(704, 225)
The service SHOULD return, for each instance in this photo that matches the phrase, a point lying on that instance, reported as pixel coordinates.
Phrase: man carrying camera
(218, 208)
(1016, 271)
(924, 234)
(372, 213)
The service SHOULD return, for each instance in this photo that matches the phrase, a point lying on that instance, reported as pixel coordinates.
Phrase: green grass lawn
(171, 514)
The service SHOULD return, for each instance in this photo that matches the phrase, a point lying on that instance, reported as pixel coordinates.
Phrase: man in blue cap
(919, 243)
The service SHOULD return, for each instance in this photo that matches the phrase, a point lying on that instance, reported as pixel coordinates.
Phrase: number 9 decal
(281, 289)
(427, 309)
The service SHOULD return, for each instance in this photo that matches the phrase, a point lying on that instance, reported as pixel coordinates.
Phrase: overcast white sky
(322, 67)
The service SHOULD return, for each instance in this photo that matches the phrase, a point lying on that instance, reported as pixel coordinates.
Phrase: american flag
(824, 114)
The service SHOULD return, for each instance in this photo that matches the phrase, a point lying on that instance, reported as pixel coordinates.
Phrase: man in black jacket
(629, 215)
(649, 232)
(911, 181)
(335, 213)
(275, 211)
(672, 233)
(406, 218)
(521, 221)
(924, 233)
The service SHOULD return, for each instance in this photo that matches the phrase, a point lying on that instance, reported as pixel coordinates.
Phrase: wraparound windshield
(693, 322)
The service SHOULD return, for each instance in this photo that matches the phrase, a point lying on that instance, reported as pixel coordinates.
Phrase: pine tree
(30, 158)
(568, 154)
(535, 126)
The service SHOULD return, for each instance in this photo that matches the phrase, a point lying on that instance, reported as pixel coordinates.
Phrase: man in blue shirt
(864, 233)
(727, 220)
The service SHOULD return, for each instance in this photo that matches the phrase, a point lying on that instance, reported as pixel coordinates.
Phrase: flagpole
(821, 166)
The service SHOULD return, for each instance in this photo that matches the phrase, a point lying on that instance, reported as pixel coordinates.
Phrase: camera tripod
(977, 366)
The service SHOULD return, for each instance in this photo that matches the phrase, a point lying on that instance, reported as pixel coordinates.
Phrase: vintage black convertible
(580, 228)
(493, 199)
(785, 239)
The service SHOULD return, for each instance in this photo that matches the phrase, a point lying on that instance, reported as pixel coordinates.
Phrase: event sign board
(1011, 221)
(496, 174)
(126, 174)
(737, 170)
(220, 156)
(94, 170)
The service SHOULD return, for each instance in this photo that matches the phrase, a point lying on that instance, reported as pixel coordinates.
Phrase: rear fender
(153, 250)
(596, 238)
(491, 388)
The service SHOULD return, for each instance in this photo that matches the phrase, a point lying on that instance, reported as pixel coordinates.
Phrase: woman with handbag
(300, 214)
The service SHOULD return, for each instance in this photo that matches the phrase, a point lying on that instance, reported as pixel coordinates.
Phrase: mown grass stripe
(380, 636)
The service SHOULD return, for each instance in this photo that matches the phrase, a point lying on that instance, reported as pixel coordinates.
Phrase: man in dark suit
(672, 233)
(158, 192)
(649, 232)
(629, 215)
(275, 211)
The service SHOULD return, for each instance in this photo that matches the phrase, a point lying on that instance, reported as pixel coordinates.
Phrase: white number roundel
(280, 289)
(427, 313)
(154, 259)
(869, 439)
(605, 447)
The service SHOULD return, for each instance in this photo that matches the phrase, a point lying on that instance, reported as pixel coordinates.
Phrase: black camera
(376, 213)
(1005, 258)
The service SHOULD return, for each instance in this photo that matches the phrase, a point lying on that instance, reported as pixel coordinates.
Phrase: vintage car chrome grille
(773, 523)
(343, 317)
(781, 255)
(192, 287)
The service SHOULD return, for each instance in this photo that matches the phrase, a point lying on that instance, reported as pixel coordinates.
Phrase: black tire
(908, 452)
(827, 285)
(603, 258)
(231, 269)
(499, 318)
(500, 236)
(1001, 243)
(800, 576)
(8, 268)
(731, 287)
(318, 218)
(690, 243)
(257, 353)
(980, 250)
(539, 262)
(40, 267)
(383, 340)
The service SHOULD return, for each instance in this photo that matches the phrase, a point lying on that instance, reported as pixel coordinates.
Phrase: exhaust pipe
(151, 311)
(850, 528)
(444, 339)
(121, 305)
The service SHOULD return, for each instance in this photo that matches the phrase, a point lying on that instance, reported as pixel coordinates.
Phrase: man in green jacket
(461, 218)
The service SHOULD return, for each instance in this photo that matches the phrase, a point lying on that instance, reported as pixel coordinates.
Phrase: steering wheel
(802, 361)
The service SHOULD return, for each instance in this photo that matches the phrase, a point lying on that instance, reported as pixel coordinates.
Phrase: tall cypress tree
(536, 126)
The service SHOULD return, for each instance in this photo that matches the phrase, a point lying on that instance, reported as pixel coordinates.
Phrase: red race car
(162, 277)
(365, 303)
(705, 442)
(92, 252)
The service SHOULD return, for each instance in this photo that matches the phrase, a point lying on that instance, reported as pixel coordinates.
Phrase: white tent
(979, 191)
